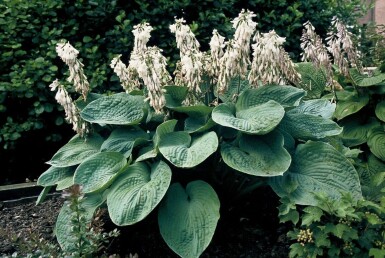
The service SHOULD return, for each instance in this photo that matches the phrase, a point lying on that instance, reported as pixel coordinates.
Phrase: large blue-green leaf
(259, 119)
(188, 218)
(186, 152)
(137, 191)
(118, 109)
(175, 95)
(76, 150)
(365, 81)
(96, 172)
(376, 143)
(64, 227)
(164, 128)
(316, 107)
(350, 105)
(313, 79)
(317, 168)
(258, 155)
(308, 127)
(380, 111)
(287, 96)
(55, 174)
(355, 132)
(123, 140)
(198, 124)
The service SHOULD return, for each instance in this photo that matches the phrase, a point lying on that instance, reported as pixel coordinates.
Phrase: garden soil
(245, 230)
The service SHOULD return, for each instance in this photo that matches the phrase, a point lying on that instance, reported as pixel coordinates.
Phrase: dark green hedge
(100, 29)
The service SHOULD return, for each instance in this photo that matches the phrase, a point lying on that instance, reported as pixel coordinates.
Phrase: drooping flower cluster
(271, 63)
(147, 64)
(71, 111)
(315, 51)
(236, 59)
(341, 46)
(216, 52)
(189, 70)
(69, 55)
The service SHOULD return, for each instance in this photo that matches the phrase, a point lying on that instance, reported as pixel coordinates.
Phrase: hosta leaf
(258, 155)
(54, 175)
(380, 111)
(259, 119)
(236, 87)
(318, 168)
(65, 183)
(376, 143)
(194, 111)
(137, 191)
(287, 96)
(351, 105)
(316, 107)
(164, 128)
(188, 218)
(175, 95)
(123, 140)
(76, 150)
(365, 81)
(96, 172)
(64, 226)
(147, 152)
(308, 127)
(80, 103)
(43, 194)
(118, 109)
(198, 124)
(184, 152)
(355, 132)
(313, 79)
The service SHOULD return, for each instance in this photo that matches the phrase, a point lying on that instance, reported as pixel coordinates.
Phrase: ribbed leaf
(313, 79)
(365, 81)
(64, 225)
(316, 107)
(198, 124)
(54, 175)
(308, 127)
(376, 143)
(354, 132)
(371, 168)
(118, 109)
(259, 119)
(188, 218)
(380, 111)
(184, 152)
(164, 128)
(194, 111)
(258, 155)
(175, 95)
(236, 87)
(287, 96)
(76, 150)
(317, 168)
(147, 152)
(350, 105)
(137, 191)
(65, 183)
(97, 171)
(124, 139)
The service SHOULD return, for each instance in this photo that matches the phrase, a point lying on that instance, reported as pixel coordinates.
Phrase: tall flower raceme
(229, 65)
(244, 28)
(217, 44)
(71, 111)
(271, 63)
(315, 51)
(127, 75)
(189, 69)
(151, 68)
(69, 55)
(341, 46)
(142, 36)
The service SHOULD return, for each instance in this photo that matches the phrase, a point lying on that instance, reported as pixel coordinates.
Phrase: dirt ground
(244, 231)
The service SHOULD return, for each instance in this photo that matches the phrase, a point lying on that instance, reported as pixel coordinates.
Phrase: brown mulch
(251, 230)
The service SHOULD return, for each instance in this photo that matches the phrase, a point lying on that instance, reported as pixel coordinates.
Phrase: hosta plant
(165, 143)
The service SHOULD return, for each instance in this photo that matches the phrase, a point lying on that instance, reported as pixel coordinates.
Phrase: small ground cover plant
(165, 143)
